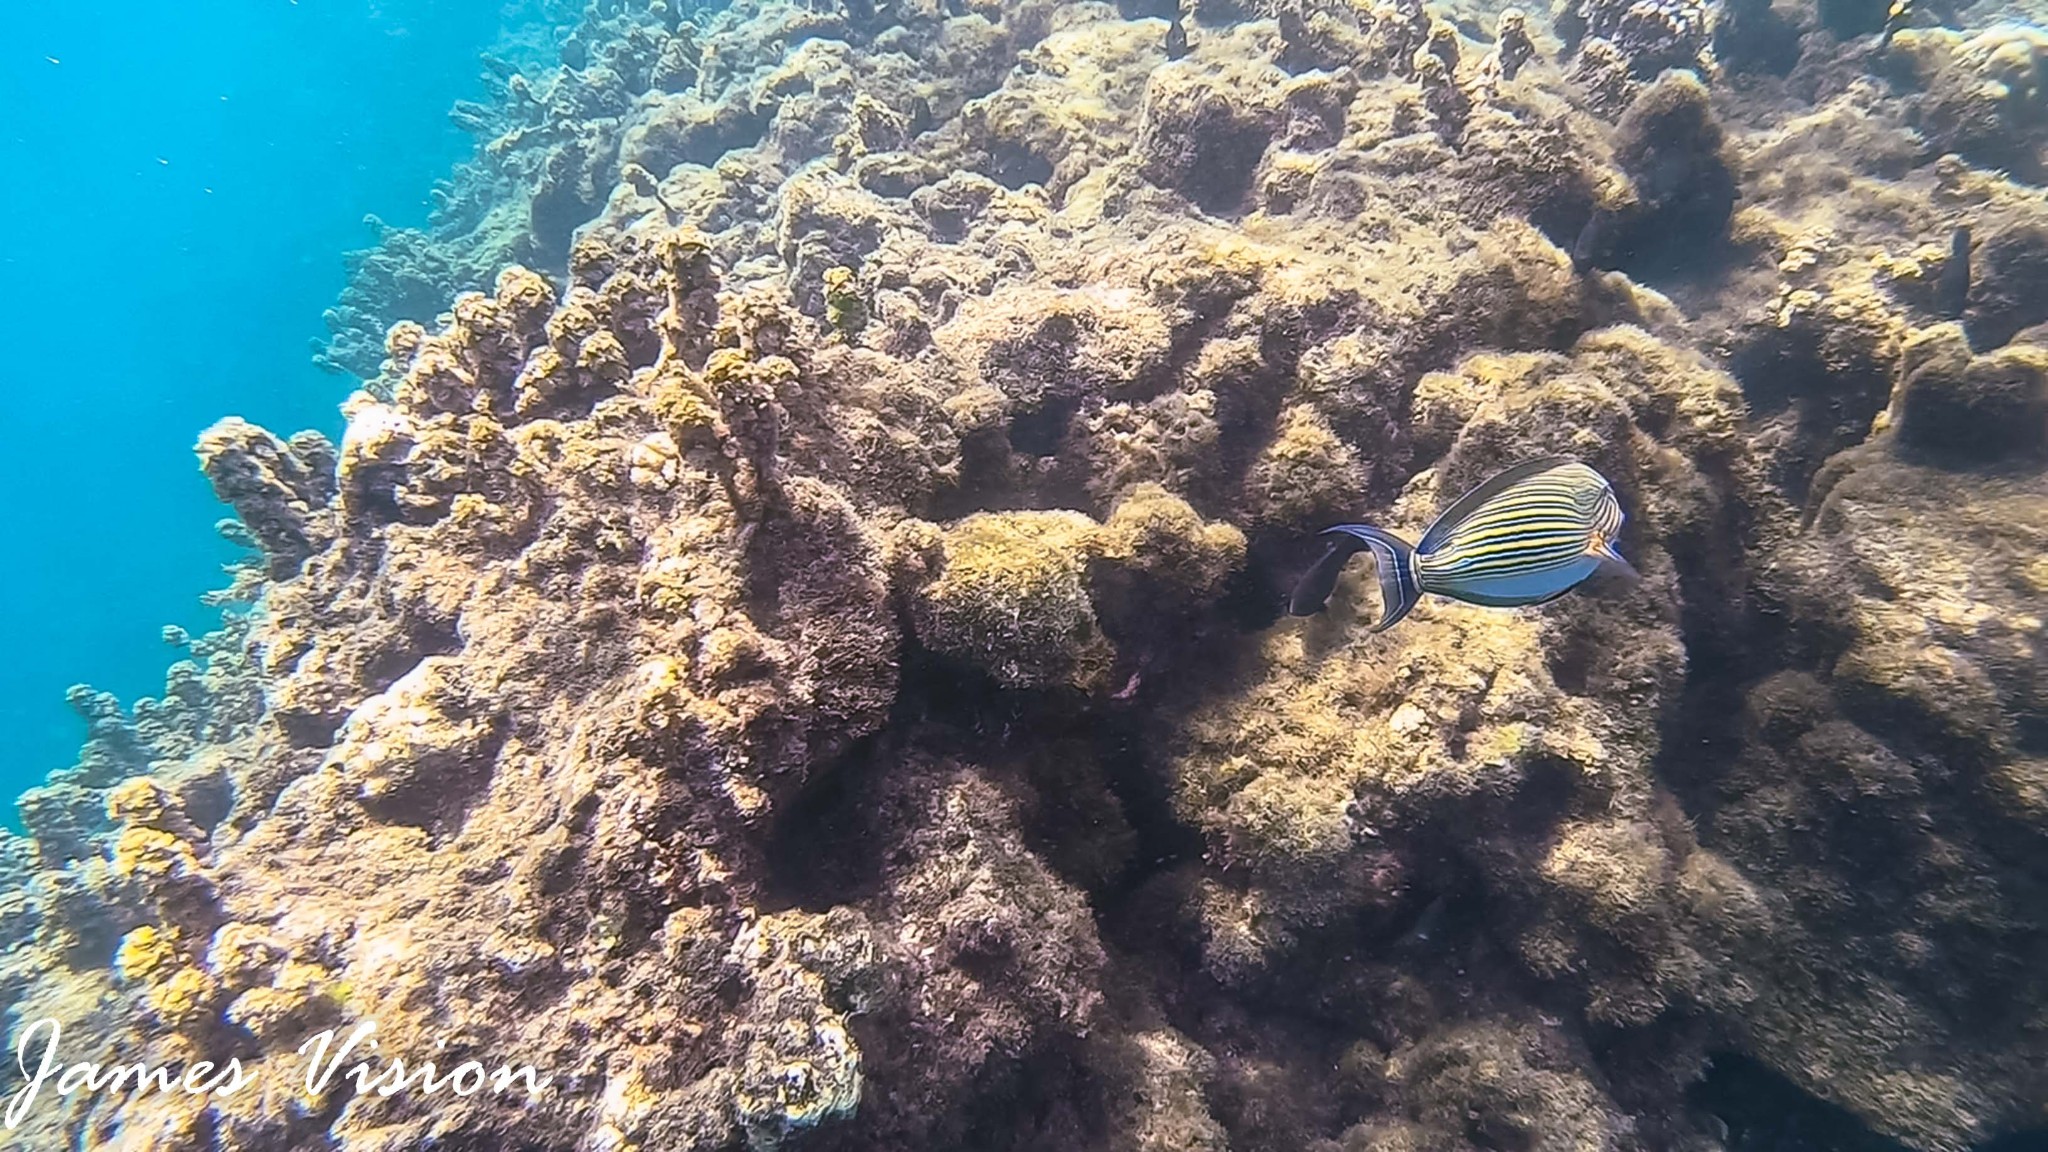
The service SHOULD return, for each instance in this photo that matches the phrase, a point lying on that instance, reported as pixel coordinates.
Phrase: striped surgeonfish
(1526, 536)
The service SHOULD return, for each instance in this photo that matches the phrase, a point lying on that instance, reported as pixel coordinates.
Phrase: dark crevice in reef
(422, 641)
(440, 805)
(1087, 769)
(1570, 660)
(1670, 251)
(820, 851)
(1810, 409)
(2008, 292)
(1163, 842)
(1703, 735)
(1543, 800)
(1015, 167)
(1849, 19)
(1733, 639)
(308, 730)
(1764, 1112)
(2030, 738)
(1096, 810)
(1247, 416)
(1226, 169)
(1038, 431)
(1255, 595)
(1443, 909)
(1750, 37)
(1565, 224)
(1027, 1104)
(1673, 148)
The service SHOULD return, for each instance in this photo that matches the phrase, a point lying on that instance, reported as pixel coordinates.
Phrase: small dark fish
(1176, 39)
(1591, 246)
(1952, 291)
(498, 66)
(1526, 536)
(1425, 927)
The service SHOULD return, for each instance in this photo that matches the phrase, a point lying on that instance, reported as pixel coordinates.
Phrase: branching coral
(278, 489)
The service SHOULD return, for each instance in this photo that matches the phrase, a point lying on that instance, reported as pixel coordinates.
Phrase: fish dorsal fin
(1447, 522)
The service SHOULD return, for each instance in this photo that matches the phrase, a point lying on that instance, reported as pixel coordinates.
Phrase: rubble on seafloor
(796, 657)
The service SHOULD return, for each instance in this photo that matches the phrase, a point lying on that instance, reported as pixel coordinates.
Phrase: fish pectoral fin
(1611, 563)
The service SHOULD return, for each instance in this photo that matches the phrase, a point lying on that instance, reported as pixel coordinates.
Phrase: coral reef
(1983, 96)
(789, 645)
(1685, 188)
(1618, 44)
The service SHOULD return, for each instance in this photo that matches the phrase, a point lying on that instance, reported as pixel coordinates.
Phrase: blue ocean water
(182, 181)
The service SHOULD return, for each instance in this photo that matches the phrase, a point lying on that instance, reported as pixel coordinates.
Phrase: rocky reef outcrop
(793, 653)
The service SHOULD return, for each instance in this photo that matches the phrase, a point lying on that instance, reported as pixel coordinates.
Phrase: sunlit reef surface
(799, 658)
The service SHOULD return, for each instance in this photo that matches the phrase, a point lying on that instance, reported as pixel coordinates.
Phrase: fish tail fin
(1312, 591)
(1392, 555)
(1400, 590)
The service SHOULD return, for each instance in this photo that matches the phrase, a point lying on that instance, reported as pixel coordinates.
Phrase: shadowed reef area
(790, 642)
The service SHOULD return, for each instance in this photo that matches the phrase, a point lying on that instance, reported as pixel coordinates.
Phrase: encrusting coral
(789, 645)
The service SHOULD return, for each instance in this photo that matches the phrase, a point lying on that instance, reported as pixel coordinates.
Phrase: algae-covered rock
(1026, 595)
(2011, 273)
(1010, 591)
(1202, 138)
(1982, 93)
(1915, 582)
(1340, 750)
(1967, 408)
(1675, 152)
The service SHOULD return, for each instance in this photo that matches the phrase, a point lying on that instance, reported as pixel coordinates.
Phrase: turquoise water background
(180, 187)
